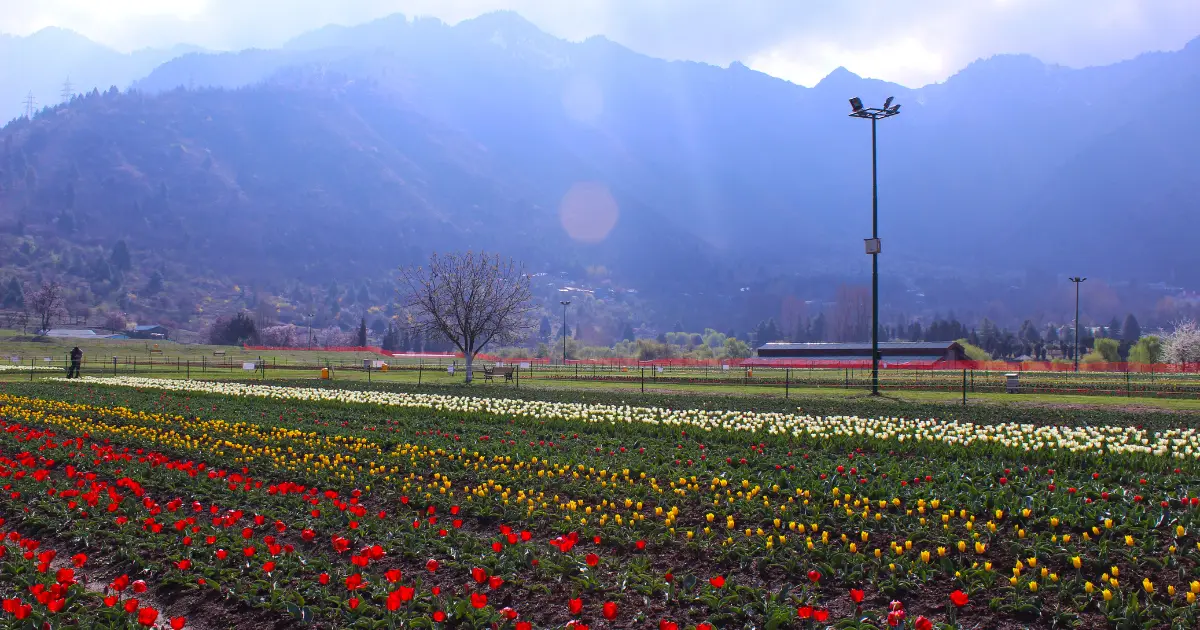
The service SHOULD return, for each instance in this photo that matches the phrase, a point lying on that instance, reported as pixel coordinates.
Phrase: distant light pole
(874, 114)
(308, 344)
(565, 304)
(1078, 281)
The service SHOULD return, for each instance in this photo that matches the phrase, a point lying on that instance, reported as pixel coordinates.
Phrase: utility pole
(565, 304)
(1078, 281)
(874, 114)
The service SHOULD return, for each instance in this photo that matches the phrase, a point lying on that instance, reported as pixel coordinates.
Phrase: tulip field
(134, 503)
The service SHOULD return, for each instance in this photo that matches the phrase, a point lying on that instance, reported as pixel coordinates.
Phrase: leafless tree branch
(470, 299)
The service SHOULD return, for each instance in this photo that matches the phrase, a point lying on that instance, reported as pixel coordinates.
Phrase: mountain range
(350, 150)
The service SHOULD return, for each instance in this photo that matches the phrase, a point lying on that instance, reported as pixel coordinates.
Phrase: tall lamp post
(1078, 281)
(874, 114)
(565, 304)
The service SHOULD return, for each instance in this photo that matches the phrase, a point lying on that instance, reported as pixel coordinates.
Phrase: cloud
(911, 42)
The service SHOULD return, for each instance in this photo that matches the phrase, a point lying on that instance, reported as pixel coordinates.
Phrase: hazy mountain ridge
(43, 63)
(352, 149)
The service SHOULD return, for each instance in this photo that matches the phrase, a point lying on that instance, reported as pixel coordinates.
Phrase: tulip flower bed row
(254, 510)
(1180, 443)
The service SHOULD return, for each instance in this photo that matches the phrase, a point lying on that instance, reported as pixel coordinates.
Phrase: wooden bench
(490, 373)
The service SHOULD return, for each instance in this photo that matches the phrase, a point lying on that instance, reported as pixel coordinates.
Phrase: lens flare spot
(588, 212)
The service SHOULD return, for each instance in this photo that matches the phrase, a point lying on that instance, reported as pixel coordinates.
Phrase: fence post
(964, 388)
(420, 368)
(31, 370)
(643, 379)
(787, 383)
(1128, 393)
(189, 369)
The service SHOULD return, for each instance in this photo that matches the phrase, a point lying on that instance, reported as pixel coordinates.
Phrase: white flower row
(1178, 443)
(16, 367)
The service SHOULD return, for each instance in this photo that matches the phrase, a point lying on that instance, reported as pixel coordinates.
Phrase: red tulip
(56, 605)
(508, 613)
(821, 615)
(131, 606)
(393, 601)
(323, 578)
(139, 586)
(177, 623)
(269, 566)
(610, 610)
(959, 598)
(592, 559)
(717, 582)
(392, 575)
(354, 582)
(814, 575)
(922, 623)
(440, 616)
(641, 544)
(669, 577)
(575, 605)
(65, 576)
(704, 626)
(478, 600)
(495, 582)
(353, 603)
(667, 625)
(804, 612)
(479, 575)
(856, 594)
(147, 616)
(79, 560)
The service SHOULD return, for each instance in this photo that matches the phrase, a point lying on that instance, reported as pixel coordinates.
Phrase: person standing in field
(76, 358)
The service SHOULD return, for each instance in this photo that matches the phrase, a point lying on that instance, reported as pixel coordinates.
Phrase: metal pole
(1078, 281)
(564, 329)
(964, 388)
(874, 269)
(787, 383)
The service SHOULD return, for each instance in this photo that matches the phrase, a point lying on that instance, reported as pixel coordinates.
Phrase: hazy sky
(911, 42)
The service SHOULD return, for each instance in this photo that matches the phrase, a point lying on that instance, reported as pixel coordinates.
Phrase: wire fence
(782, 380)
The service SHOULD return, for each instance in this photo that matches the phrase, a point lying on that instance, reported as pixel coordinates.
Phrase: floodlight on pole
(873, 245)
(1078, 281)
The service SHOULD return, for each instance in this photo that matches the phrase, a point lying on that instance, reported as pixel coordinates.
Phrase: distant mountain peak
(840, 77)
(507, 22)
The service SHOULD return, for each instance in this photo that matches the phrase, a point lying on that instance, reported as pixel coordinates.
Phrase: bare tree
(116, 322)
(852, 314)
(47, 303)
(469, 299)
(1182, 346)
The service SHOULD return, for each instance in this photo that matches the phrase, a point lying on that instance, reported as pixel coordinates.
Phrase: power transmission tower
(67, 91)
(29, 104)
